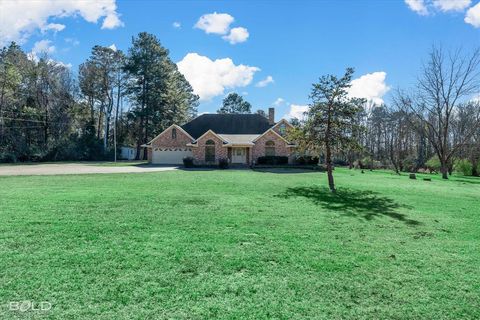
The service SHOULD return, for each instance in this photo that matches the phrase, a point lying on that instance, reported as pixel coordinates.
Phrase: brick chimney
(271, 116)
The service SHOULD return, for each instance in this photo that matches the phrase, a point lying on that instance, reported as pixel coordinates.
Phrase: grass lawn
(240, 245)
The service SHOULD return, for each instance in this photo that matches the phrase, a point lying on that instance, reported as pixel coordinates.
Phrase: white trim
(271, 130)
(210, 131)
(243, 145)
(173, 125)
(284, 121)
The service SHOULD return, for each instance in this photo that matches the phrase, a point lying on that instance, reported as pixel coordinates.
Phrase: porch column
(229, 154)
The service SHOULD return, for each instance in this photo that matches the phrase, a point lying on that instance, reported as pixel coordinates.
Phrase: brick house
(240, 138)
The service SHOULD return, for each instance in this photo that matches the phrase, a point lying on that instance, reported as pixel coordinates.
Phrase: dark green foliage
(433, 163)
(223, 163)
(160, 93)
(272, 160)
(464, 166)
(234, 103)
(188, 162)
(332, 120)
(45, 115)
(306, 160)
(8, 157)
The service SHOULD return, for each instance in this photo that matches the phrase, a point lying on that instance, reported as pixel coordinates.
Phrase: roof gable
(273, 132)
(166, 130)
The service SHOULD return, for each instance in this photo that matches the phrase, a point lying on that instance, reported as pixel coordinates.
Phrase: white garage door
(170, 156)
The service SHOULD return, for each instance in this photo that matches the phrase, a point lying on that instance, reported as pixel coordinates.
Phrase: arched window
(270, 148)
(174, 133)
(210, 151)
(282, 128)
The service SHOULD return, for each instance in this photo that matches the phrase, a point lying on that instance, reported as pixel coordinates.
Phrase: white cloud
(278, 102)
(473, 16)
(217, 23)
(297, 111)
(19, 19)
(452, 5)
(176, 25)
(210, 78)
(370, 86)
(42, 47)
(265, 82)
(63, 64)
(425, 7)
(113, 47)
(237, 35)
(112, 21)
(419, 6)
(54, 26)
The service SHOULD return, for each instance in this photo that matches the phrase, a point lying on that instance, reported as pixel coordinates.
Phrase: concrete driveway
(76, 168)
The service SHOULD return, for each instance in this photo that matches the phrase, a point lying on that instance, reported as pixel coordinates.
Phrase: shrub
(303, 160)
(273, 160)
(369, 163)
(409, 164)
(188, 162)
(223, 163)
(357, 164)
(7, 157)
(340, 162)
(433, 164)
(323, 167)
(464, 166)
(300, 160)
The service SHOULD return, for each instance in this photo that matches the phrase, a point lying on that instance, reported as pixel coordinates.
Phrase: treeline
(48, 113)
(432, 127)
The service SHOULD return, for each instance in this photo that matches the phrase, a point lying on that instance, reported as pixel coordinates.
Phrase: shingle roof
(227, 124)
(239, 139)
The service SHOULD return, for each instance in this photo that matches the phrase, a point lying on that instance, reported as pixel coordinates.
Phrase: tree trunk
(474, 167)
(142, 117)
(328, 160)
(105, 134)
(444, 170)
(46, 127)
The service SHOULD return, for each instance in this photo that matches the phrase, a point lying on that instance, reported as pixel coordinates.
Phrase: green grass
(240, 245)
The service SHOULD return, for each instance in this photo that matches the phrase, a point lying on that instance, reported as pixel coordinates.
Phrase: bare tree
(446, 83)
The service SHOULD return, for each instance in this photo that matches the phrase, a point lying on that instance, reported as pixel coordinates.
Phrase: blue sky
(291, 43)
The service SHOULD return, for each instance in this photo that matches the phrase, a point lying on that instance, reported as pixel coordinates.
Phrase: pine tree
(234, 103)
(331, 119)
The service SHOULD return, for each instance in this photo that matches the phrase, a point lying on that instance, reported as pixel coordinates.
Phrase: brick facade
(281, 147)
(199, 150)
(166, 141)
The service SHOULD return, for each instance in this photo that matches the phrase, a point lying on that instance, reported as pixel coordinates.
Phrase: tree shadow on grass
(354, 203)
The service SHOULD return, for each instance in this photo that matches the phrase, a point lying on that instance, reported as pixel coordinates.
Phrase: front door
(239, 155)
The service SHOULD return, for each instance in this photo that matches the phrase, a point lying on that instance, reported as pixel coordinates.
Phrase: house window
(210, 151)
(282, 128)
(270, 148)
(174, 133)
